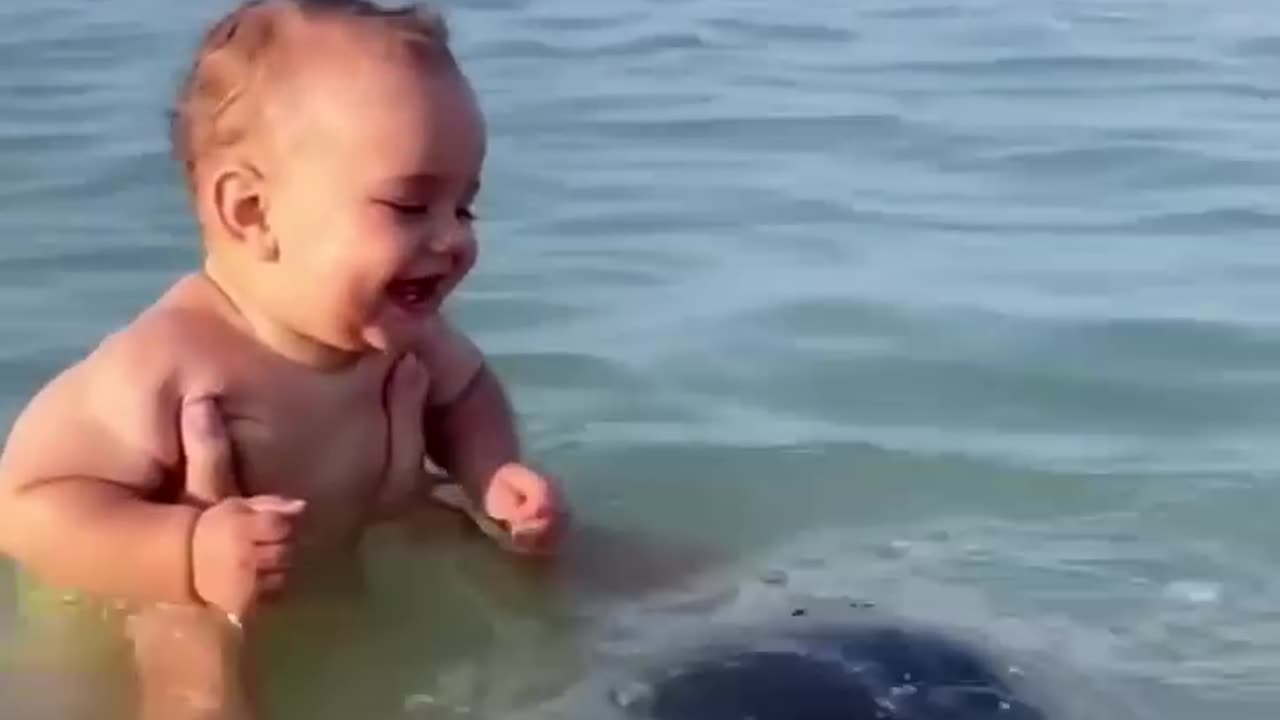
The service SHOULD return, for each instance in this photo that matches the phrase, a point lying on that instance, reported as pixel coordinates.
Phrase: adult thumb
(210, 472)
(406, 401)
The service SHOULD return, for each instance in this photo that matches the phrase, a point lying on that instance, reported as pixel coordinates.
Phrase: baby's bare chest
(324, 442)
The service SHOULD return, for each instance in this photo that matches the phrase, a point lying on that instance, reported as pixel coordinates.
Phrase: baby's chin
(394, 329)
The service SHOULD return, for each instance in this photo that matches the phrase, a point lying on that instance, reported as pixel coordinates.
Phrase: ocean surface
(967, 309)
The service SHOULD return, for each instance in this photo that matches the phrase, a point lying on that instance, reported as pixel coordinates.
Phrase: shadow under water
(880, 669)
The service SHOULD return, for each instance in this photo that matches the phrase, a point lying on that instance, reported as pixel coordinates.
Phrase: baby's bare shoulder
(451, 358)
(112, 414)
(152, 355)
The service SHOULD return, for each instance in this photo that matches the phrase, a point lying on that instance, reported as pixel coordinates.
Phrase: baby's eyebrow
(427, 182)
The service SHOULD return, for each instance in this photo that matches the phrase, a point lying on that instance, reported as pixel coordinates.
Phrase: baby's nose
(448, 240)
(442, 243)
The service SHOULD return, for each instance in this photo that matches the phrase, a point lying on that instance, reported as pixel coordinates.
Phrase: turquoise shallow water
(967, 308)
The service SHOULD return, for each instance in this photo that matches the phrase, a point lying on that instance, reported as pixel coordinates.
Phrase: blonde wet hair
(245, 54)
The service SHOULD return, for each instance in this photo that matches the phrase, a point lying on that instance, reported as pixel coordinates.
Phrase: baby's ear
(240, 207)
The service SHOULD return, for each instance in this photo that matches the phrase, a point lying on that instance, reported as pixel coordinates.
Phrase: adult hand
(241, 546)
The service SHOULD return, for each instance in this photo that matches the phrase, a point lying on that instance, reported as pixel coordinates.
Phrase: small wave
(776, 30)
(1097, 68)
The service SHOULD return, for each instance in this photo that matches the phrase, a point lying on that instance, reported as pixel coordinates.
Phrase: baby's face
(369, 194)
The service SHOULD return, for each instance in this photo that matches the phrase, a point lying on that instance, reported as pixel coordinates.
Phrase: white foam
(1195, 592)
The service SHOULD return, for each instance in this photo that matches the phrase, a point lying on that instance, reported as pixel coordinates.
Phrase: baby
(333, 152)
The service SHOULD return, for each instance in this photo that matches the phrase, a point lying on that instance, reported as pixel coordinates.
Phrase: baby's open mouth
(416, 293)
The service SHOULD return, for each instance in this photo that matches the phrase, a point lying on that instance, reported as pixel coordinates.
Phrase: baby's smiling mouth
(415, 294)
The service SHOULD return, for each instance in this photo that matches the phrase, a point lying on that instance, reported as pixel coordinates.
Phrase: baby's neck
(243, 309)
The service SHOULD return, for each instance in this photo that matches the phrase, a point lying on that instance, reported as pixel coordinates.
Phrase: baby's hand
(530, 506)
(240, 551)
(240, 547)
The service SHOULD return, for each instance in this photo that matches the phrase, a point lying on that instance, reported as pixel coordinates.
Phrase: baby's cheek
(467, 254)
(461, 267)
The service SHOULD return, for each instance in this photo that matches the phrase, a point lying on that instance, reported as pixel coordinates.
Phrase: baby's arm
(77, 469)
(472, 434)
(471, 426)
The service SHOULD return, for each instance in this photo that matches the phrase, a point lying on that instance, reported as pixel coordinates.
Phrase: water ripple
(822, 263)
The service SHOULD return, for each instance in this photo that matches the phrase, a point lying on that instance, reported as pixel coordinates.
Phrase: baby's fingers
(270, 527)
(276, 504)
(538, 497)
(270, 583)
(273, 558)
(530, 530)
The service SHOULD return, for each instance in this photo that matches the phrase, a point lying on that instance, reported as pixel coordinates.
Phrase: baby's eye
(406, 208)
(466, 214)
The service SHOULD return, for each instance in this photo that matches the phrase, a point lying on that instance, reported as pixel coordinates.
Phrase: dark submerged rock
(878, 670)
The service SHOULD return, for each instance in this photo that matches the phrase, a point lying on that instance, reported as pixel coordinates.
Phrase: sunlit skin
(311, 341)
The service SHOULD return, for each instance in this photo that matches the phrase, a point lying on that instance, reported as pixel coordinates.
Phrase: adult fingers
(406, 399)
(210, 469)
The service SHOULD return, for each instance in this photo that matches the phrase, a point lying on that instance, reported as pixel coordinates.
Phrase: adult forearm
(101, 538)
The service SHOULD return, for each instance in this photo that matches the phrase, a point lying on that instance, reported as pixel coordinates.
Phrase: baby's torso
(306, 433)
(319, 438)
(318, 435)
